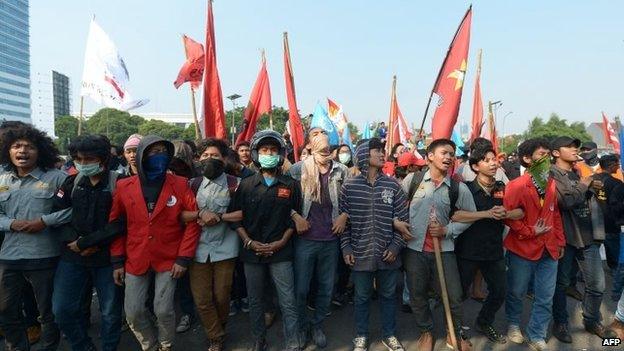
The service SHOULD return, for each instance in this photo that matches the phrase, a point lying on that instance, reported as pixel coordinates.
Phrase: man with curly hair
(30, 252)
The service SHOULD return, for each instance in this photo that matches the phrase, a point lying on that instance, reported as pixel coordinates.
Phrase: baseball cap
(564, 141)
(589, 145)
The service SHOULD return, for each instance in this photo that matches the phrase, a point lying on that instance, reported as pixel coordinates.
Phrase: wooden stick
(445, 298)
(80, 115)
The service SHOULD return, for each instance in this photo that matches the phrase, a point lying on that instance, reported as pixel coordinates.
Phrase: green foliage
(66, 129)
(163, 129)
(510, 143)
(555, 126)
(117, 125)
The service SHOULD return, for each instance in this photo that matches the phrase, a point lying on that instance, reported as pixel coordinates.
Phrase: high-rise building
(14, 61)
(60, 92)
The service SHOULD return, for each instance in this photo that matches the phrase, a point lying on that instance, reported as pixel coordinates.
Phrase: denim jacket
(337, 175)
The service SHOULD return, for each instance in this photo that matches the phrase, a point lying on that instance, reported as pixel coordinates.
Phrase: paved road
(339, 330)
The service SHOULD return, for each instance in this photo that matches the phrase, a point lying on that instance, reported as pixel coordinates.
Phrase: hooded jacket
(158, 239)
(371, 210)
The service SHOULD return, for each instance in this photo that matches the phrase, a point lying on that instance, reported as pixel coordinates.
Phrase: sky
(539, 57)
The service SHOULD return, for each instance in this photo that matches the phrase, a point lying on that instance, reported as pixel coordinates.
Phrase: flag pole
(195, 120)
(422, 124)
(392, 118)
(443, 289)
(80, 115)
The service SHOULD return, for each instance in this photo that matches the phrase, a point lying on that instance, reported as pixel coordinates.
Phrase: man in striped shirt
(370, 245)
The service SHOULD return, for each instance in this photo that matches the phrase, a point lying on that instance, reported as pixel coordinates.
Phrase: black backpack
(453, 191)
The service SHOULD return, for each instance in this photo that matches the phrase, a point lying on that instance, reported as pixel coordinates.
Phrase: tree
(115, 124)
(162, 129)
(66, 128)
(509, 143)
(556, 126)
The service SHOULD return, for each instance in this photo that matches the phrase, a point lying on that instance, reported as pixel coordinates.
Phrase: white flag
(105, 78)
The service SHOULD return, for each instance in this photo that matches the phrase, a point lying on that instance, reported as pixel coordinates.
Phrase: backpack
(232, 184)
(112, 182)
(453, 191)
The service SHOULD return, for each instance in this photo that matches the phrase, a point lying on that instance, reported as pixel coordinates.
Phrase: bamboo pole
(392, 119)
(80, 115)
(443, 289)
(193, 105)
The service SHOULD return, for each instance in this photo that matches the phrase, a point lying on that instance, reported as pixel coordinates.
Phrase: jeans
(519, 273)
(211, 284)
(386, 282)
(422, 271)
(612, 249)
(405, 296)
(150, 336)
(12, 284)
(619, 313)
(318, 259)
(618, 274)
(590, 265)
(70, 284)
(494, 274)
(281, 273)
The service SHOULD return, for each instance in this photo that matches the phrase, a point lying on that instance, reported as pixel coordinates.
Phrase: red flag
(294, 121)
(398, 131)
(212, 112)
(610, 135)
(477, 106)
(259, 104)
(193, 68)
(450, 81)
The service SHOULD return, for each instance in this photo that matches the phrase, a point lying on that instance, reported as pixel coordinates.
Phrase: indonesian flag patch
(60, 194)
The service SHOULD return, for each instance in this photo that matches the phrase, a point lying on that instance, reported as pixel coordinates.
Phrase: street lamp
(233, 98)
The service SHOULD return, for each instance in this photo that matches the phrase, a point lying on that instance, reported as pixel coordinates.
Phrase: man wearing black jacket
(85, 246)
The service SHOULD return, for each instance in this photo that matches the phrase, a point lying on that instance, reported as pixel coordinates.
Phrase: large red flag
(610, 135)
(213, 114)
(193, 68)
(450, 81)
(477, 106)
(294, 121)
(259, 104)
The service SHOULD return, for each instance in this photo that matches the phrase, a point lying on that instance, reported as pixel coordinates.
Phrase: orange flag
(193, 68)
(611, 137)
(450, 81)
(213, 115)
(398, 131)
(294, 121)
(477, 106)
(259, 104)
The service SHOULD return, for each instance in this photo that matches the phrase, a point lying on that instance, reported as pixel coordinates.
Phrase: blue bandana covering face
(156, 166)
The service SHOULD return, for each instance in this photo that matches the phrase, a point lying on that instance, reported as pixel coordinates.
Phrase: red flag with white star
(450, 81)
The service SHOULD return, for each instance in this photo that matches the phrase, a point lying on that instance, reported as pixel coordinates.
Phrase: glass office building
(14, 61)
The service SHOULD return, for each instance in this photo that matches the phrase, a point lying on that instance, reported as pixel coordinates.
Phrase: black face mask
(213, 168)
(590, 157)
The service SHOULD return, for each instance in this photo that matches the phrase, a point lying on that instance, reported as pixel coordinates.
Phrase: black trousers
(494, 274)
(12, 285)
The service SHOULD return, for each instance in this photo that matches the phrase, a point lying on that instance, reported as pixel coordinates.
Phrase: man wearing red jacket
(158, 245)
(534, 244)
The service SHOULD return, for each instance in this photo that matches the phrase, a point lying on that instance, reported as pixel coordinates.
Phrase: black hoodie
(151, 188)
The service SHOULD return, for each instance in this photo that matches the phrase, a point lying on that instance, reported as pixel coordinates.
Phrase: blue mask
(268, 161)
(155, 166)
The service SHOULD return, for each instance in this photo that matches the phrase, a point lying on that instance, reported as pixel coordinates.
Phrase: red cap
(408, 159)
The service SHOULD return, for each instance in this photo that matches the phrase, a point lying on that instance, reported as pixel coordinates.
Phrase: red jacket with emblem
(521, 240)
(156, 240)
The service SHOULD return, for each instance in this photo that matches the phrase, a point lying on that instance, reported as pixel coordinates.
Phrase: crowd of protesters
(245, 229)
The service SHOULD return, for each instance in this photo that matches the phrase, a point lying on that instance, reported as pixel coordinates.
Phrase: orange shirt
(587, 171)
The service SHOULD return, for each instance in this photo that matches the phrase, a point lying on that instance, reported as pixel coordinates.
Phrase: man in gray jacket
(573, 193)
(30, 251)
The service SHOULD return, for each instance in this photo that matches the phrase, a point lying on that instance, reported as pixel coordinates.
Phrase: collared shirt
(468, 175)
(573, 196)
(483, 240)
(27, 198)
(428, 196)
(266, 213)
(218, 242)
